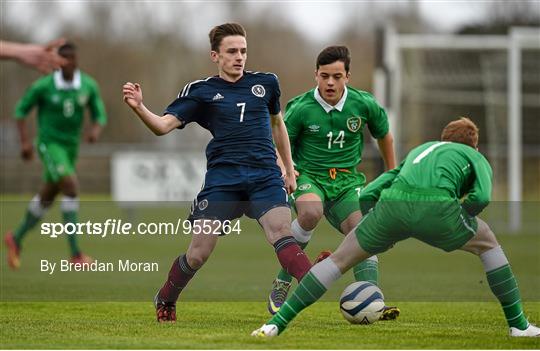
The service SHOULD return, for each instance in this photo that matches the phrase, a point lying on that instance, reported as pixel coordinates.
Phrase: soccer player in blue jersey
(242, 111)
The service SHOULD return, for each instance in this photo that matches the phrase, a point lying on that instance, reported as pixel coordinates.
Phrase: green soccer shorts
(339, 192)
(429, 215)
(58, 160)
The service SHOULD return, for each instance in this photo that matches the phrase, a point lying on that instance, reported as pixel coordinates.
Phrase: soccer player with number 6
(434, 196)
(60, 98)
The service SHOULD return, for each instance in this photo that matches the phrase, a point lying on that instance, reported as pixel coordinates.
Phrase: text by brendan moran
(98, 266)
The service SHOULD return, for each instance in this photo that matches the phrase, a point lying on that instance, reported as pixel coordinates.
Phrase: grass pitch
(227, 325)
(444, 298)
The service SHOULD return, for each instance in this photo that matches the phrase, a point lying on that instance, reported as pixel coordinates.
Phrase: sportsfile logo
(121, 227)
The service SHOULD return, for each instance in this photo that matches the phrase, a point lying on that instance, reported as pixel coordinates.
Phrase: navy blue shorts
(231, 191)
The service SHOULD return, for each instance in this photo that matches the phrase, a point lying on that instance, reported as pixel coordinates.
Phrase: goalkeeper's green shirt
(61, 106)
(458, 168)
(324, 136)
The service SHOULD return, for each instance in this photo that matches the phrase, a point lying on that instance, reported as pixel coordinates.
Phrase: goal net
(427, 80)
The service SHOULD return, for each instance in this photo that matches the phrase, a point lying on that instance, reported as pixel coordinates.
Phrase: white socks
(493, 259)
(326, 272)
(300, 235)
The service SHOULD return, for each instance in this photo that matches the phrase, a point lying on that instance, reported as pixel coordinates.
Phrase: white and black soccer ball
(362, 303)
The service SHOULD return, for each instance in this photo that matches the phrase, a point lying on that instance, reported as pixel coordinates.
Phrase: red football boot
(13, 256)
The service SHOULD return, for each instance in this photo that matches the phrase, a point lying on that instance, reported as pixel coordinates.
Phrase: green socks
(314, 284)
(33, 215)
(503, 284)
(70, 214)
(367, 270)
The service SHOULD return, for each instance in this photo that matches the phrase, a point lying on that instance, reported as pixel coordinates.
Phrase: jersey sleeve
(377, 119)
(187, 106)
(97, 107)
(274, 106)
(479, 194)
(371, 193)
(293, 122)
(28, 100)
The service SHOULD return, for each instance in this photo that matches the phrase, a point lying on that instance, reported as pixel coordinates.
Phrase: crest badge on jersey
(354, 123)
(82, 99)
(258, 90)
(203, 205)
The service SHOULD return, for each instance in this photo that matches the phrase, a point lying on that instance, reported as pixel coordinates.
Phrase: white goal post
(389, 89)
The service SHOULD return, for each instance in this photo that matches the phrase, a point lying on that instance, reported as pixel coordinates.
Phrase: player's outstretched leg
(70, 213)
(368, 270)
(165, 300)
(69, 205)
(311, 288)
(314, 284)
(13, 240)
(182, 270)
(282, 283)
(277, 227)
(501, 280)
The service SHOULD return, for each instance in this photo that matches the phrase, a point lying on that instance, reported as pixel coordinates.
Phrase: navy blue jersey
(237, 114)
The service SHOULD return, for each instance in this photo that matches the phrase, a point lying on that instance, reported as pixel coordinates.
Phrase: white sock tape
(301, 235)
(69, 204)
(35, 207)
(493, 259)
(326, 272)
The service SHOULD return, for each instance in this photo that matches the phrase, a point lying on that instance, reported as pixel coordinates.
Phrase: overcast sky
(319, 21)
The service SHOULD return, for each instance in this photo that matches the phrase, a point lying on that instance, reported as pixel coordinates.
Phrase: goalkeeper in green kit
(434, 196)
(325, 127)
(60, 98)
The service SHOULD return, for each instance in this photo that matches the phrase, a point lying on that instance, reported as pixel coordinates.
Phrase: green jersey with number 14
(324, 136)
(61, 106)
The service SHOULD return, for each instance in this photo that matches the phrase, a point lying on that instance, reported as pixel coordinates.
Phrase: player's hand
(27, 151)
(132, 94)
(290, 181)
(93, 134)
(43, 58)
(284, 173)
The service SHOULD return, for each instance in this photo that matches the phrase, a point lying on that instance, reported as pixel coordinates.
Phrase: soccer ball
(362, 303)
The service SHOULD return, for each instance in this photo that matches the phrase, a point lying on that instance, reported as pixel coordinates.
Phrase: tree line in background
(164, 59)
(164, 62)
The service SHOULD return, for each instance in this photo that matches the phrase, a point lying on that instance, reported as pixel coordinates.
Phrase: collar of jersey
(61, 84)
(326, 106)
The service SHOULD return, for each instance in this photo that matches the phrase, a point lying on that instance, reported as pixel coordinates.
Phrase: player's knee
(309, 218)
(68, 186)
(483, 241)
(350, 223)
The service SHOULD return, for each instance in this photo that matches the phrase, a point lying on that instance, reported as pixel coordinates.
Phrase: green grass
(444, 298)
(227, 325)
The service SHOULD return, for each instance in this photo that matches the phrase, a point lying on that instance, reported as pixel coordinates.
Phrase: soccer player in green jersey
(61, 98)
(421, 199)
(325, 128)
